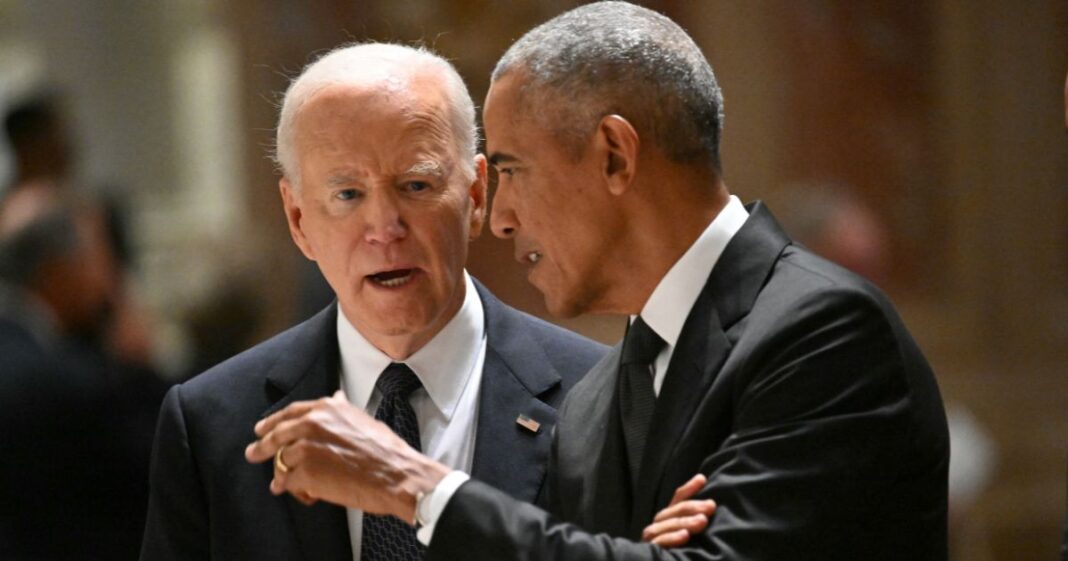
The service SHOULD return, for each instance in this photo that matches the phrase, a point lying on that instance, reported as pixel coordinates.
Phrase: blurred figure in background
(832, 221)
(78, 396)
(44, 158)
(37, 131)
(76, 420)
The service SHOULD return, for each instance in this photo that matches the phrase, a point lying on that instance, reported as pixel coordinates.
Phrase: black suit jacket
(207, 502)
(794, 387)
(77, 434)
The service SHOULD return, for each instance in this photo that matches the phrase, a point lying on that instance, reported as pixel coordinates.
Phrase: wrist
(431, 506)
(419, 483)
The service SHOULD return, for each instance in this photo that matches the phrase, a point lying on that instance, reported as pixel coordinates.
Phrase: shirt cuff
(429, 509)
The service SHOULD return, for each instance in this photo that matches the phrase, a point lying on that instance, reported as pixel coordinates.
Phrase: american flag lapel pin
(528, 423)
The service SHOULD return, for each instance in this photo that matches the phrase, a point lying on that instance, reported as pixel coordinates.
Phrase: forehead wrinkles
(429, 129)
(387, 129)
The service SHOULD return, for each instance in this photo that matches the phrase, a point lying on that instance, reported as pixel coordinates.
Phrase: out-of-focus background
(921, 143)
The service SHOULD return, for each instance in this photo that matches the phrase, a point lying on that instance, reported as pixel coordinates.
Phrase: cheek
(447, 243)
(534, 209)
(336, 245)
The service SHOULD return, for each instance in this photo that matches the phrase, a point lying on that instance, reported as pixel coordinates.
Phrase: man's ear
(477, 192)
(291, 202)
(619, 143)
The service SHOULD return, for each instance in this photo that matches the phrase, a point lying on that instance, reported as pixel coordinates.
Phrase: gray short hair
(349, 63)
(617, 58)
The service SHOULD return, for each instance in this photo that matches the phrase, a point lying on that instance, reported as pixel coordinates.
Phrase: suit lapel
(703, 346)
(508, 455)
(311, 371)
(601, 445)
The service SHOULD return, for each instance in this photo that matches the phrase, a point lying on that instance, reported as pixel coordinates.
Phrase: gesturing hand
(335, 452)
(673, 526)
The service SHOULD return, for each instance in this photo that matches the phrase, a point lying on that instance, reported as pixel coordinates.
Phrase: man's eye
(505, 171)
(417, 186)
(347, 194)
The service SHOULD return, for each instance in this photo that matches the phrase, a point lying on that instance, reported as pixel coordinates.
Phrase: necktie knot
(397, 382)
(641, 344)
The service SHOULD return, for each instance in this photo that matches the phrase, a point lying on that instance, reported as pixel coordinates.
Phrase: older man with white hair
(383, 189)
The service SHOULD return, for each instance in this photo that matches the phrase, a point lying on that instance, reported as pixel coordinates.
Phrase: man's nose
(384, 221)
(503, 221)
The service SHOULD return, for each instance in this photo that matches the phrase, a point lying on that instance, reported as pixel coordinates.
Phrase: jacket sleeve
(177, 524)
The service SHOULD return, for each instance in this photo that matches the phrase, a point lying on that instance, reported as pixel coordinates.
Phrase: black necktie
(387, 538)
(636, 396)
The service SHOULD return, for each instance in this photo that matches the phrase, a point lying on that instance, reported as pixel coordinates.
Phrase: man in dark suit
(788, 382)
(382, 187)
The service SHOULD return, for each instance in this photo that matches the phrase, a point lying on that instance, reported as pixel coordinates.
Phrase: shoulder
(812, 311)
(562, 343)
(812, 285)
(514, 333)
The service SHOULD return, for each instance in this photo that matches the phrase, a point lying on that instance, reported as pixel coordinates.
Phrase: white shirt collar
(444, 365)
(669, 305)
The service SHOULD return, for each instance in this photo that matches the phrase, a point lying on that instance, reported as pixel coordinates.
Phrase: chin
(402, 326)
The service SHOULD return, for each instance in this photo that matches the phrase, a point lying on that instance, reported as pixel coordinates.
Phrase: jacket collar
(516, 375)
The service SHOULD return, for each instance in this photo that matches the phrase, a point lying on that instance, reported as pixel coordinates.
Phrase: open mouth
(392, 279)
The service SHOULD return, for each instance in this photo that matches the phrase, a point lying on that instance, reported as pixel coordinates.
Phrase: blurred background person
(831, 220)
(78, 387)
(44, 155)
(38, 134)
(77, 420)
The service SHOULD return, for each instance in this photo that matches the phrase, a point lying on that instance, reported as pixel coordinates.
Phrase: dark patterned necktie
(636, 396)
(387, 538)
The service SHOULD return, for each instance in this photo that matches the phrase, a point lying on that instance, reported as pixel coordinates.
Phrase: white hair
(360, 63)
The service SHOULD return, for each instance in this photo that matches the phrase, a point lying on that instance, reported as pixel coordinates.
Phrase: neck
(403, 342)
(661, 227)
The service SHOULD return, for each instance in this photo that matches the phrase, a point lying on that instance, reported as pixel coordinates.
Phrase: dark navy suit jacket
(207, 502)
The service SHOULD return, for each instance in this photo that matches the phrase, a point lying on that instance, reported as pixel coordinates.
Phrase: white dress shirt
(450, 369)
(667, 308)
(665, 312)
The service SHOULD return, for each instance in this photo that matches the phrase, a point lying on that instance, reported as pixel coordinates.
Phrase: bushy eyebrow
(340, 180)
(426, 167)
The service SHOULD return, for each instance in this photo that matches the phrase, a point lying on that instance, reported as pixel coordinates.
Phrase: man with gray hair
(789, 384)
(383, 189)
